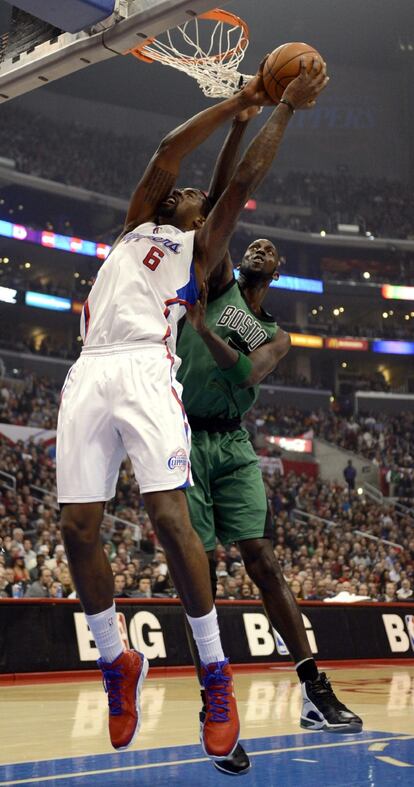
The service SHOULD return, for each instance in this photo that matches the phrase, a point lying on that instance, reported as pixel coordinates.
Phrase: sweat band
(240, 371)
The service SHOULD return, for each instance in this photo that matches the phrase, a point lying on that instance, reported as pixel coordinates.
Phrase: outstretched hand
(303, 91)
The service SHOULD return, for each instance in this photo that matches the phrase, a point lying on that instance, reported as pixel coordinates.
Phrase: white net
(208, 48)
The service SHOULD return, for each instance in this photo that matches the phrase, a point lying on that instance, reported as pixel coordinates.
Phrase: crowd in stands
(38, 146)
(33, 401)
(319, 558)
(385, 439)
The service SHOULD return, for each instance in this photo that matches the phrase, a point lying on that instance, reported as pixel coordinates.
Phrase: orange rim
(215, 15)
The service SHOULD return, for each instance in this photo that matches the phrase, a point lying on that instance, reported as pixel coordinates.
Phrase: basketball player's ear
(198, 222)
(276, 273)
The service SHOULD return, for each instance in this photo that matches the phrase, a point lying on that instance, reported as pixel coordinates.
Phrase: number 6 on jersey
(153, 258)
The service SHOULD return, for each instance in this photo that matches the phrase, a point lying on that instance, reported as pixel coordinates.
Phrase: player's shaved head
(260, 262)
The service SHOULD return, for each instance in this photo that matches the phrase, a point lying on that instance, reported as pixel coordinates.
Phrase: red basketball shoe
(123, 680)
(220, 727)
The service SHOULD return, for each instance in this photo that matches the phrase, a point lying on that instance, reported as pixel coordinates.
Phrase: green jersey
(207, 394)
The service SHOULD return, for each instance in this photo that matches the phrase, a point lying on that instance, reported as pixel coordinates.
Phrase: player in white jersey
(121, 398)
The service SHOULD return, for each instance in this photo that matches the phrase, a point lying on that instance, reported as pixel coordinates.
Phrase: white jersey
(143, 288)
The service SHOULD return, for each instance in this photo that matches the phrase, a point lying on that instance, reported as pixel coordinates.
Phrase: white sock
(207, 636)
(104, 627)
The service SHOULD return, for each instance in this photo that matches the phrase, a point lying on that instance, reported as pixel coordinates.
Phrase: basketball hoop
(210, 53)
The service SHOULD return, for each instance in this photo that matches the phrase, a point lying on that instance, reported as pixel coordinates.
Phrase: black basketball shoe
(235, 765)
(321, 709)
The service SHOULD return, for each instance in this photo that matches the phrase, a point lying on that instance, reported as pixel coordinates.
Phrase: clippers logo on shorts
(178, 460)
(244, 325)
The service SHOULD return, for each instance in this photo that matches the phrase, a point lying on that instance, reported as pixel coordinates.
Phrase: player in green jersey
(228, 345)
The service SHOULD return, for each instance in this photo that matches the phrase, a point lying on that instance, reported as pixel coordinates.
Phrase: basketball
(283, 65)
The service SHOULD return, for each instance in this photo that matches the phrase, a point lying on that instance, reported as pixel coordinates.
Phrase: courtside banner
(47, 635)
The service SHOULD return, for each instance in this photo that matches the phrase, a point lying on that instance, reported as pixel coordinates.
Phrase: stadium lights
(397, 292)
(296, 283)
(42, 301)
(52, 240)
(392, 347)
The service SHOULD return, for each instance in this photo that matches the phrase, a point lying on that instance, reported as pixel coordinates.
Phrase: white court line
(302, 759)
(170, 763)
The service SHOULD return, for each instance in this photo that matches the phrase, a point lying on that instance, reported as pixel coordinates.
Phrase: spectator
(220, 592)
(55, 589)
(21, 573)
(390, 594)
(5, 585)
(296, 588)
(34, 573)
(29, 554)
(350, 475)
(405, 592)
(144, 588)
(41, 587)
(246, 592)
(119, 585)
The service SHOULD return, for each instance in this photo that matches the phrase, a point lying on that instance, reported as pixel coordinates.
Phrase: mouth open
(170, 202)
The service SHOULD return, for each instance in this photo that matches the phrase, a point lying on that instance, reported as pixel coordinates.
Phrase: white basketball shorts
(116, 401)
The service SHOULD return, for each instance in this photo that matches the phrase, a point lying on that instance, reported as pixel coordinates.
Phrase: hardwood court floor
(55, 733)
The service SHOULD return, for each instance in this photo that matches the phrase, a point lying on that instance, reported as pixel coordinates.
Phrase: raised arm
(223, 171)
(229, 155)
(160, 176)
(213, 237)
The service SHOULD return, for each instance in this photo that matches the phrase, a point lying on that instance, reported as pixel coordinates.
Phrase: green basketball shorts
(228, 500)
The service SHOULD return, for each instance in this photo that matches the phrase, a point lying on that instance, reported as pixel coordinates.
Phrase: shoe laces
(216, 684)
(322, 687)
(112, 682)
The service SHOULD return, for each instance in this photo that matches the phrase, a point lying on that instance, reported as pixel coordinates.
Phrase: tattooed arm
(162, 171)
